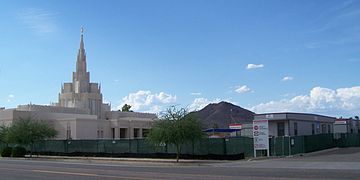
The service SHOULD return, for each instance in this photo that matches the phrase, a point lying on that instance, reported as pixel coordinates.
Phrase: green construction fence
(279, 146)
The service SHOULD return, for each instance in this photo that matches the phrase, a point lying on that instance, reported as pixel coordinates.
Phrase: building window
(295, 129)
(123, 132)
(323, 128)
(312, 129)
(145, 132)
(318, 128)
(136, 132)
(113, 133)
(329, 129)
(68, 131)
(281, 129)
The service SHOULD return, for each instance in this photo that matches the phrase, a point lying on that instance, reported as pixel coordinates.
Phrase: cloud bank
(242, 89)
(339, 102)
(254, 66)
(38, 20)
(200, 103)
(146, 101)
(287, 78)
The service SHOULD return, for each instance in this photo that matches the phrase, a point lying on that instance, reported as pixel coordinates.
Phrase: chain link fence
(279, 146)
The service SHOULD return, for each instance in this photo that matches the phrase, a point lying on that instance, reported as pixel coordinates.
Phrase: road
(337, 164)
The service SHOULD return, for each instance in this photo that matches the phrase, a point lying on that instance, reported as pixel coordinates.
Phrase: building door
(281, 129)
(136, 132)
(312, 129)
(113, 133)
(123, 132)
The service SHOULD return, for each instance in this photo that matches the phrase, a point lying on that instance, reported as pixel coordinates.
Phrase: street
(336, 164)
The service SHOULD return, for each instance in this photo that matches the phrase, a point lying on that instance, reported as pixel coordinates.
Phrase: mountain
(220, 115)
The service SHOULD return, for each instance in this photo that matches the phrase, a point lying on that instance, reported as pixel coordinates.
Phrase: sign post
(261, 136)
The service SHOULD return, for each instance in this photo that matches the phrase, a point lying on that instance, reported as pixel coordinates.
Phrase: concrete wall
(83, 126)
(86, 129)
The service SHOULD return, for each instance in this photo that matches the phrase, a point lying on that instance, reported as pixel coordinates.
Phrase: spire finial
(81, 37)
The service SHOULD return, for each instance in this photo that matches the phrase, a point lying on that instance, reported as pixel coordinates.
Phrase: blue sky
(267, 56)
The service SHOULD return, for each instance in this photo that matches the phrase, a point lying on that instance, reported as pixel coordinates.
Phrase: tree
(27, 131)
(4, 134)
(175, 127)
(126, 108)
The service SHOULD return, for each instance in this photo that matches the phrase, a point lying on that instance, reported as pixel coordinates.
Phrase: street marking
(77, 174)
(88, 174)
(66, 173)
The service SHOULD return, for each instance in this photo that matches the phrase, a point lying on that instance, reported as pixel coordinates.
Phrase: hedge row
(17, 151)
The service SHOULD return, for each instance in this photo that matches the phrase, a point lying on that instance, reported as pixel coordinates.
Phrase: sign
(269, 116)
(234, 126)
(261, 135)
(340, 122)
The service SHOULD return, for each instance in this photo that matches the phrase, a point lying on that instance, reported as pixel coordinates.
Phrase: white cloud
(242, 89)
(10, 97)
(146, 101)
(200, 103)
(339, 102)
(254, 66)
(39, 20)
(195, 93)
(287, 78)
(165, 98)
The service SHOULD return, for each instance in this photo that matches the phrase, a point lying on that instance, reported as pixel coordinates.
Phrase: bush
(18, 152)
(6, 152)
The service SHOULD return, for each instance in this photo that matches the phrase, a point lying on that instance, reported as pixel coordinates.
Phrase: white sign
(261, 135)
(235, 126)
(340, 122)
(269, 116)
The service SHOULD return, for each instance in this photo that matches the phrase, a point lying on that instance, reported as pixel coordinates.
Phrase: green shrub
(6, 152)
(18, 151)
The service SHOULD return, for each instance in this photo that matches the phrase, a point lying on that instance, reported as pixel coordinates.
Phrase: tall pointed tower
(81, 78)
(81, 93)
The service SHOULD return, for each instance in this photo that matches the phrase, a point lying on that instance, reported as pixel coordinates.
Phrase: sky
(266, 56)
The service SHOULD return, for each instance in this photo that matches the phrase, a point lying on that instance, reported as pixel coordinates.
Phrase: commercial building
(293, 124)
(81, 113)
(347, 125)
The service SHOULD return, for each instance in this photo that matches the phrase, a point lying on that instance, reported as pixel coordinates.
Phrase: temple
(80, 93)
(80, 112)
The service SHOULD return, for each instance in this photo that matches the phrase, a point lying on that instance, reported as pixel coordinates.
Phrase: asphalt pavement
(333, 164)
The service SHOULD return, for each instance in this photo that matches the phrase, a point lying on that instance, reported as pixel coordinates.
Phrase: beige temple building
(81, 113)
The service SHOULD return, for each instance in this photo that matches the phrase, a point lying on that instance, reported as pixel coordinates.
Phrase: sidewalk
(315, 153)
(127, 160)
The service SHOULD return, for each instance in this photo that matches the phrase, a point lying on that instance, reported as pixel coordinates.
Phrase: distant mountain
(222, 114)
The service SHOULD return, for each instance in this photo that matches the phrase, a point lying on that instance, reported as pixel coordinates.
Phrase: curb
(134, 160)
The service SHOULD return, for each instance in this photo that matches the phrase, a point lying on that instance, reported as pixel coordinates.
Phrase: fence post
(137, 146)
(289, 145)
(283, 146)
(224, 144)
(66, 146)
(129, 145)
(97, 145)
(193, 148)
(274, 145)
